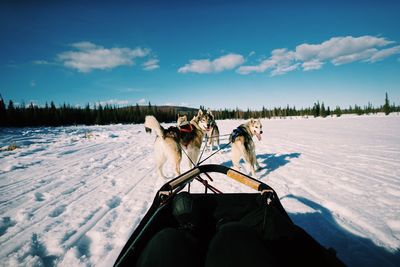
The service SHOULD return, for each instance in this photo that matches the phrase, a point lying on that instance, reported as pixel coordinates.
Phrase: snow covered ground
(71, 196)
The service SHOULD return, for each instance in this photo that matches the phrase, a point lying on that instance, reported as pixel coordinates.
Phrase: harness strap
(235, 133)
(186, 129)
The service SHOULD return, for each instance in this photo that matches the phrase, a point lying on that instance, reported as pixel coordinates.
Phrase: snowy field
(71, 196)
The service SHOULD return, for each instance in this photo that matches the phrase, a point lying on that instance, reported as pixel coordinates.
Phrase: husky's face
(181, 120)
(256, 128)
(202, 120)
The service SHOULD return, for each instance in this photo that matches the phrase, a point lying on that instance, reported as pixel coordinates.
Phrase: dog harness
(186, 128)
(241, 131)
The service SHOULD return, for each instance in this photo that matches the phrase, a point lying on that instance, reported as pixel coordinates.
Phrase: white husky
(243, 145)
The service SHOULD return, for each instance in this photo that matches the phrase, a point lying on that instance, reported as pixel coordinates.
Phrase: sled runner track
(41, 225)
(102, 213)
(61, 201)
(94, 181)
(43, 183)
(85, 156)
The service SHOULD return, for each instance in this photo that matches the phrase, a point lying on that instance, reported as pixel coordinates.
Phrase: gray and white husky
(170, 142)
(243, 145)
(212, 131)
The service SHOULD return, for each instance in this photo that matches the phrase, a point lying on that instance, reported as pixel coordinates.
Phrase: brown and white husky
(170, 142)
(192, 134)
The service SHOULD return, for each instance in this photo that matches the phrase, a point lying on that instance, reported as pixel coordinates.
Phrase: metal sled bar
(233, 174)
(184, 178)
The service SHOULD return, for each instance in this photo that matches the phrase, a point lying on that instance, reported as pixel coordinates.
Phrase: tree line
(317, 110)
(12, 115)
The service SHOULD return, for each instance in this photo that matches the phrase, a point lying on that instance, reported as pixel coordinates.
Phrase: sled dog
(170, 142)
(166, 146)
(212, 131)
(243, 145)
(191, 134)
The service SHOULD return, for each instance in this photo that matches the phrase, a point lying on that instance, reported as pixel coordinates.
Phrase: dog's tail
(152, 123)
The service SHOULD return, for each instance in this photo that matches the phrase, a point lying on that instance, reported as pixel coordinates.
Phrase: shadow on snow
(353, 250)
(269, 162)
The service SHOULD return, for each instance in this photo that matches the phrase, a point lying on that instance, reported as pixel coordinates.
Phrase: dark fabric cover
(229, 230)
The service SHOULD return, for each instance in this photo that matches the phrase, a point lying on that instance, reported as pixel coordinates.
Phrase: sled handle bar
(188, 176)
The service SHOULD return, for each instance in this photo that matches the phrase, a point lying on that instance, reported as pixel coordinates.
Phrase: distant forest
(50, 115)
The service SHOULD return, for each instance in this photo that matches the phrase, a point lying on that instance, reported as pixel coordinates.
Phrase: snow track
(71, 196)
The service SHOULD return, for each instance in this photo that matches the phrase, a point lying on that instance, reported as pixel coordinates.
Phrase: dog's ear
(209, 112)
(185, 117)
(178, 115)
(200, 113)
(252, 120)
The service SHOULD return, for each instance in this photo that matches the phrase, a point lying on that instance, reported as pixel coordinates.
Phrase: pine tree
(99, 116)
(316, 109)
(322, 111)
(386, 107)
(338, 111)
(3, 112)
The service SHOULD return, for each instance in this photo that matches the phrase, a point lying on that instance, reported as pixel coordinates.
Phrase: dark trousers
(233, 245)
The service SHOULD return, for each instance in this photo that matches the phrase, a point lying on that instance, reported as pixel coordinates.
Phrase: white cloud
(168, 104)
(141, 101)
(114, 102)
(279, 70)
(89, 56)
(41, 62)
(84, 45)
(337, 50)
(312, 65)
(151, 64)
(227, 62)
(338, 46)
(182, 104)
(280, 62)
(354, 57)
(384, 53)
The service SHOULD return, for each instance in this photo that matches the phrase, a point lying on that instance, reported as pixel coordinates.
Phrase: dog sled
(220, 229)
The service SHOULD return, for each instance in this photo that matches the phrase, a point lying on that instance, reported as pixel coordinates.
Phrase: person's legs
(171, 247)
(236, 244)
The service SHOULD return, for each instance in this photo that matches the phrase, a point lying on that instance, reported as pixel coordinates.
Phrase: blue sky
(245, 54)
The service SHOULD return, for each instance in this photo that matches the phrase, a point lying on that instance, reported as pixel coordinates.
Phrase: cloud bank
(87, 57)
(337, 50)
